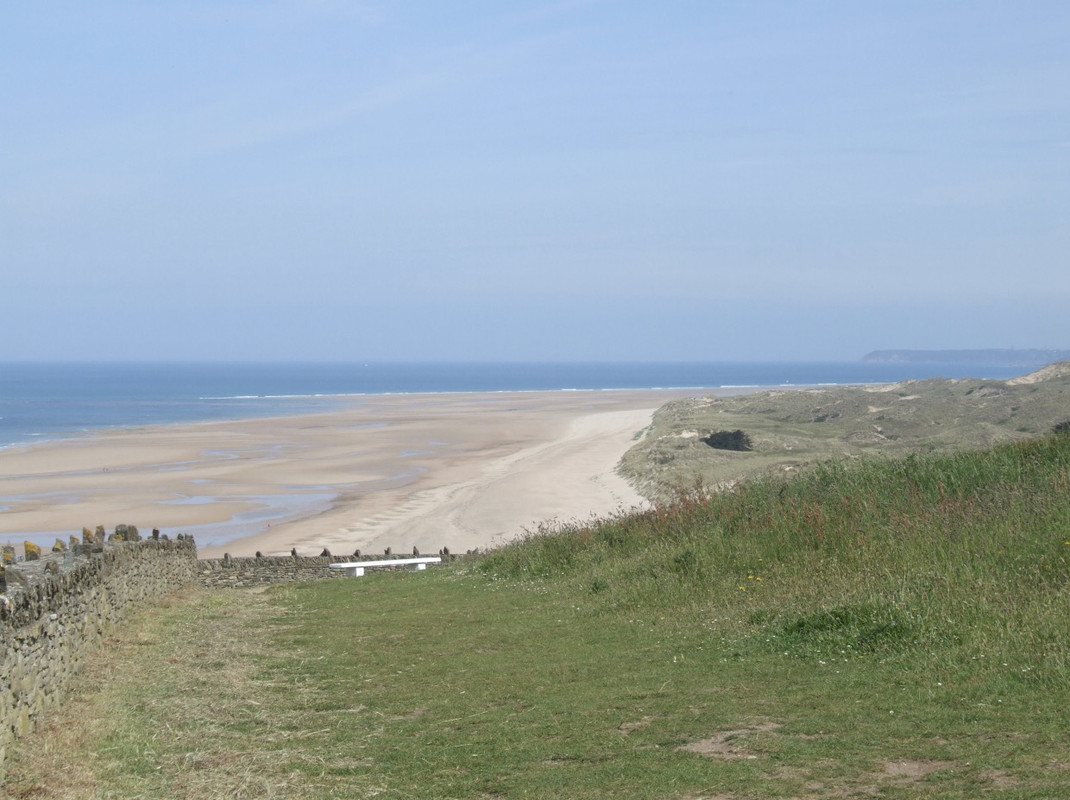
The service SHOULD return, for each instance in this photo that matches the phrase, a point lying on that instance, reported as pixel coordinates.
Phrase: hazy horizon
(1025, 357)
(537, 181)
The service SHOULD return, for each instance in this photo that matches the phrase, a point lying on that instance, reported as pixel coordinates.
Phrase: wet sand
(429, 471)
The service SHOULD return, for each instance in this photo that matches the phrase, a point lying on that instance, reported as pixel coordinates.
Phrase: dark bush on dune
(728, 440)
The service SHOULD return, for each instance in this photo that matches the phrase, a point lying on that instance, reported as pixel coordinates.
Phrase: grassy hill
(879, 627)
(792, 428)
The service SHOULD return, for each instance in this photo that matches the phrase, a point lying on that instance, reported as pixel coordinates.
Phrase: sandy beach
(429, 471)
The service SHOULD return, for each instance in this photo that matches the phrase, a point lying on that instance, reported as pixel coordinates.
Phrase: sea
(43, 401)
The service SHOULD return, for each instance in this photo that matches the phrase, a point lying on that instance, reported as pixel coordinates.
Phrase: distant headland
(1003, 358)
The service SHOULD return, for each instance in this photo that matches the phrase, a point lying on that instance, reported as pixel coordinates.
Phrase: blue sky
(532, 179)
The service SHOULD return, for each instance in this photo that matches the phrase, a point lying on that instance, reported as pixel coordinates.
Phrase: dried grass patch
(184, 669)
(727, 744)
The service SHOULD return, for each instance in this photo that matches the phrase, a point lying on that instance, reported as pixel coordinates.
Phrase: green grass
(884, 628)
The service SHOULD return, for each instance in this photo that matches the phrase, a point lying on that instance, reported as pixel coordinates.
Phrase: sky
(532, 180)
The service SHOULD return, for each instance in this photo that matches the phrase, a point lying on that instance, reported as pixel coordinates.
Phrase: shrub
(728, 440)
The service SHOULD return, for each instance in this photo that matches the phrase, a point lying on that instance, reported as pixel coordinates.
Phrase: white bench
(355, 569)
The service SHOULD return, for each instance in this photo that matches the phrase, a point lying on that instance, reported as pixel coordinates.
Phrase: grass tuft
(858, 629)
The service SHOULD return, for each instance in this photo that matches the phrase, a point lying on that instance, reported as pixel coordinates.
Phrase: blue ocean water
(57, 400)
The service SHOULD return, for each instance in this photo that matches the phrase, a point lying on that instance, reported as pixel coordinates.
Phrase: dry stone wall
(249, 571)
(57, 609)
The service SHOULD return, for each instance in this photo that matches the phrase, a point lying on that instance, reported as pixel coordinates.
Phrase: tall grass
(959, 556)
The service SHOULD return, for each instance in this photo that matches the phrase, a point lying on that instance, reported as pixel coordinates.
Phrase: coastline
(456, 470)
(42, 402)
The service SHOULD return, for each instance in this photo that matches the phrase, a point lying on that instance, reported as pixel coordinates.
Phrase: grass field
(886, 628)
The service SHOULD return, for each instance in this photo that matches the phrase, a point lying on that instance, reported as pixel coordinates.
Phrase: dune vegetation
(788, 429)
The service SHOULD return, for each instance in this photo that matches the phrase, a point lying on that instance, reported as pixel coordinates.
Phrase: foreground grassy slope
(791, 429)
(888, 628)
